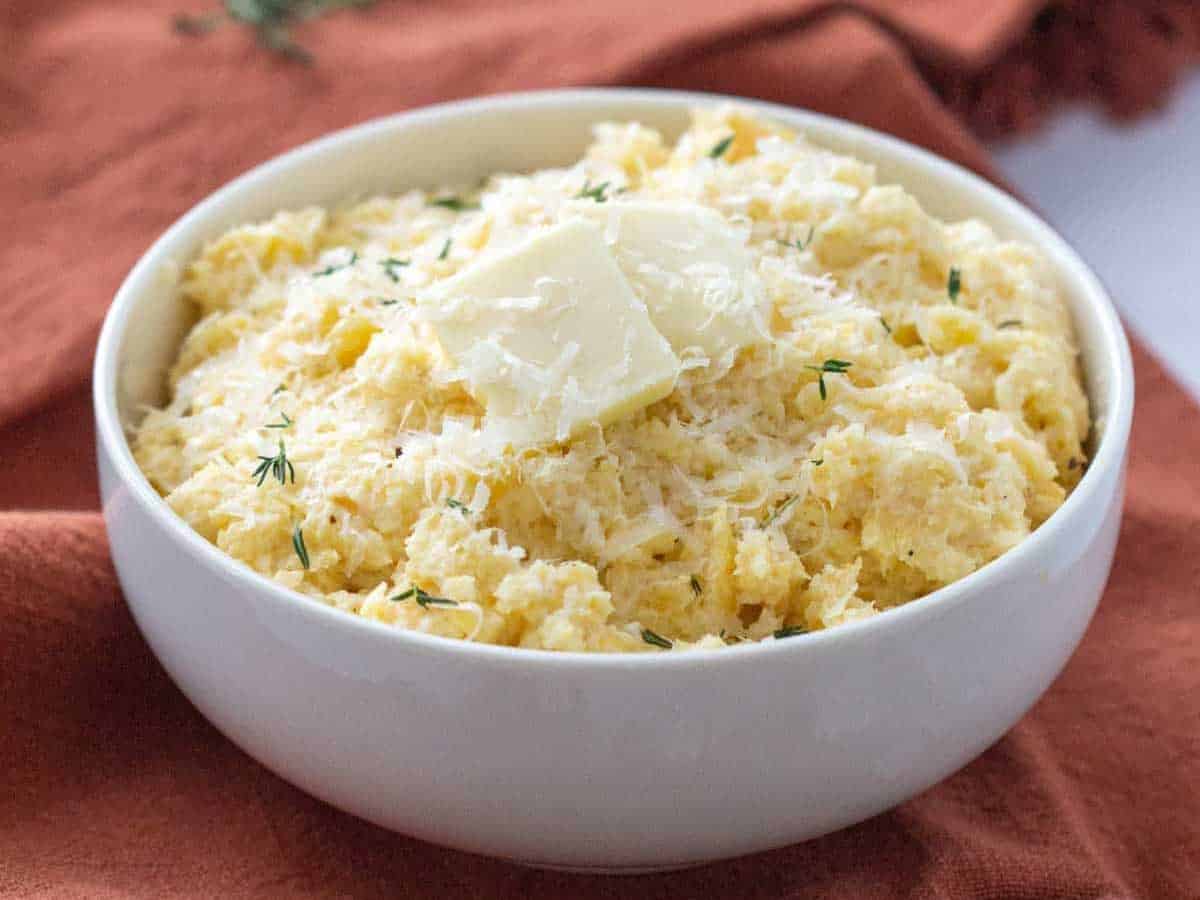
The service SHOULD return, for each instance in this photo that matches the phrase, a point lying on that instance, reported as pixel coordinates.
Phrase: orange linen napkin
(111, 126)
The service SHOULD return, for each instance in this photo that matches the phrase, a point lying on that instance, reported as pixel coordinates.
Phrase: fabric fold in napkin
(112, 125)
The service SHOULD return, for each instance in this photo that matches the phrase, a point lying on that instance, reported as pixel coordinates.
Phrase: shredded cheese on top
(766, 491)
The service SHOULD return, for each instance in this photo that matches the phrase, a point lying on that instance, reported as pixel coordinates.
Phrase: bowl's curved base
(610, 870)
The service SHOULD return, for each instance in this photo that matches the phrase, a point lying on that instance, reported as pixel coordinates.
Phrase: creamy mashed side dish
(672, 396)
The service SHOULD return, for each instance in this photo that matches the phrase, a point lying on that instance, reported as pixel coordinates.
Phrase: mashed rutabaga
(902, 405)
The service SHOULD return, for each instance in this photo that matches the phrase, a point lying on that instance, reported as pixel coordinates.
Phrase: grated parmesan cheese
(727, 485)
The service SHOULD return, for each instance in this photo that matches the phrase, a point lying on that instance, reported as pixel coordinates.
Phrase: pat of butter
(549, 336)
(691, 269)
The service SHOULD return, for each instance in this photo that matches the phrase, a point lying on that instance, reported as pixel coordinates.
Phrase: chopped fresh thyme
(807, 242)
(1011, 323)
(279, 466)
(270, 19)
(388, 301)
(458, 504)
(424, 600)
(886, 326)
(329, 270)
(817, 462)
(954, 284)
(390, 265)
(696, 587)
(286, 423)
(779, 510)
(597, 193)
(657, 640)
(829, 367)
(721, 146)
(445, 249)
(457, 204)
(281, 387)
(789, 631)
(298, 546)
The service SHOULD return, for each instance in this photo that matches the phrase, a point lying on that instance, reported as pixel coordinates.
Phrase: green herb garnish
(789, 631)
(1011, 323)
(282, 387)
(457, 204)
(445, 249)
(954, 284)
(458, 504)
(286, 423)
(817, 462)
(388, 302)
(329, 270)
(657, 640)
(271, 20)
(278, 465)
(807, 242)
(696, 588)
(720, 147)
(886, 326)
(424, 600)
(829, 367)
(298, 546)
(588, 192)
(779, 510)
(390, 265)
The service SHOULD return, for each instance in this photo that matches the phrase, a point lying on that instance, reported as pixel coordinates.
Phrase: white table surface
(1127, 196)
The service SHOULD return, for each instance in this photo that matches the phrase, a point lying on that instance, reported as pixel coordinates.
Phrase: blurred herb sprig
(272, 21)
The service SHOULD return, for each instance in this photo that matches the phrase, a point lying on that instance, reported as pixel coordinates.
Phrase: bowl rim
(1113, 349)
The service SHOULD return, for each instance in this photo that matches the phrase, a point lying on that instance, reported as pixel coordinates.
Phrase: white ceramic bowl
(605, 762)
